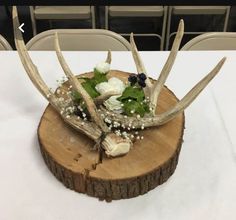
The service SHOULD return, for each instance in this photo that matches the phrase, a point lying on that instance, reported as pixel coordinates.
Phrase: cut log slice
(149, 163)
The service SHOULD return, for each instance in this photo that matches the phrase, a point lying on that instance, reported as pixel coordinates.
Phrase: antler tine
(30, 68)
(138, 61)
(108, 60)
(100, 99)
(88, 128)
(191, 95)
(92, 109)
(156, 120)
(158, 85)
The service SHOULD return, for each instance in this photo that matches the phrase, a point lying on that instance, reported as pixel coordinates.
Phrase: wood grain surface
(149, 163)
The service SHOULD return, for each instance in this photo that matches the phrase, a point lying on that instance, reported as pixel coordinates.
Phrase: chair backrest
(4, 45)
(80, 39)
(212, 41)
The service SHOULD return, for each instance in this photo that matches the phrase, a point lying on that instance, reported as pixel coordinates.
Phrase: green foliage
(137, 107)
(90, 89)
(89, 85)
(99, 77)
(132, 99)
(132, 92)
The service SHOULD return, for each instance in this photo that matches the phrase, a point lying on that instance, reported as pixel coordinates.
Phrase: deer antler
(114, 145)
(156, 120)
(158, 85)
(108, 60)
(92, 109)
(97, 131)
(89, 128)
(154, 89)
(139, 64)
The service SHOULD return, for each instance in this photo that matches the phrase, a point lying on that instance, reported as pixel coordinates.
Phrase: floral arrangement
(106, 109)
(128, 100)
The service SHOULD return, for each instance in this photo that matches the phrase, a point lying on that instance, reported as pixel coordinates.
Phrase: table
(203, 186)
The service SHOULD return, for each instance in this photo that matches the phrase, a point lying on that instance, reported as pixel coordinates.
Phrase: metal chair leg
(106, 18)
(33, 21)
(93, 17)
(226, 19)
(168, 27)
(163, 28)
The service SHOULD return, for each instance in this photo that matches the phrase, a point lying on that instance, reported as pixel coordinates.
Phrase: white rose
(113, 85)
(103, 67)
(104, 87)
(118, 84)
(113, 104)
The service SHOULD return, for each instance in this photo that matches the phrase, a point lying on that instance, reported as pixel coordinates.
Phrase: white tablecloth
(203, 185)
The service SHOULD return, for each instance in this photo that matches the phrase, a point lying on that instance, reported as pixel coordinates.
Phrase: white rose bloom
(104, 87)
(113, 104)
(113, 85)
(103, 67)
(118, 85)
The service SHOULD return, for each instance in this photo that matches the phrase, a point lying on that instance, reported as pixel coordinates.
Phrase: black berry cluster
(132, 79)
(140, 79)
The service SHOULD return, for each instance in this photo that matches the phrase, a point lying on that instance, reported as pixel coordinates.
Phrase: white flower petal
(118, 85)
(103, 67)
(104, 87)
(113, 104)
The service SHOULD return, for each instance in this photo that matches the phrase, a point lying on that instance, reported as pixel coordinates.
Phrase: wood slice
(149, 163)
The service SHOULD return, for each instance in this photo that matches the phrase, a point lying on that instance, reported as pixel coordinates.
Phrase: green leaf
(132, 99)
(96, 71)
(96, 79)
(99, 77)
(135, 106)
(133, 93)
(88, 86)
(90, 89)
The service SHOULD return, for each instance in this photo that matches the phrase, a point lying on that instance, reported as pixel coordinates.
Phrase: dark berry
(142, 76)
(132, 79)
(142, 83)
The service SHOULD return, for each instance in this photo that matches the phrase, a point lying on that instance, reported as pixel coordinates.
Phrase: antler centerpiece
(107, 110)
